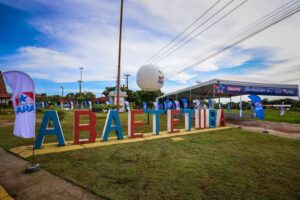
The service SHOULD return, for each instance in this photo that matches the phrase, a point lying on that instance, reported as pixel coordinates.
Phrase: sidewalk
(4, 195)
(40, 185)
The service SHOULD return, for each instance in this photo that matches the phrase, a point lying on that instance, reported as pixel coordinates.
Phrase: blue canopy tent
(217, 88)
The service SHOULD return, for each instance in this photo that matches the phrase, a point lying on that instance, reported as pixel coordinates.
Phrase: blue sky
(50, 40)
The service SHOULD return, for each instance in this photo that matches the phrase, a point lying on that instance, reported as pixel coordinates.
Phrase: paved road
(40, 185)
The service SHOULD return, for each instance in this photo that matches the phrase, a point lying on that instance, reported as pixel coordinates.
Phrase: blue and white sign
(257, 90)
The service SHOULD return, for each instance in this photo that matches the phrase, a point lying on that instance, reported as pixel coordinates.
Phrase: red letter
(132, 124)
(171, 121)
(222, 119)
(80, 127)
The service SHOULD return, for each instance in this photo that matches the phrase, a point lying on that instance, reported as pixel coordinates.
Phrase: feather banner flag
(259, 110)
(23, 98)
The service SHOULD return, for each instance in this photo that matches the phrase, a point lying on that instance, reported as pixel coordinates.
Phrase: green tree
(147, 96)
(108, 90)
(90, 95)
(265, 101)
(132, 96)
(54, 98)
(80, 98)
(70, 95)
(77, 94)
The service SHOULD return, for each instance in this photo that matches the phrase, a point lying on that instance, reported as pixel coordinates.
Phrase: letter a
(50, 115)
(112, 115)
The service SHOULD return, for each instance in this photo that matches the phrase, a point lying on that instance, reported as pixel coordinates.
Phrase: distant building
(112, 96)
(4, 96)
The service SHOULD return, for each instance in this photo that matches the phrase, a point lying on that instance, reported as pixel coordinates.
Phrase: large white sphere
(150, 78)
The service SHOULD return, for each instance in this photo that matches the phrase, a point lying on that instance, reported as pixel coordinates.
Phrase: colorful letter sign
(50, 116)
(132, 124)
(212, 118)
(200, 118)
(91, 126)
(171, 121)
(112, 116)
(188, 118)
(204, 118)
(155, 125)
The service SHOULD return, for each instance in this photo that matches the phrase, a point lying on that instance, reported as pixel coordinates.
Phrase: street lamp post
(127, 75)
(62, 92)
(80, 81)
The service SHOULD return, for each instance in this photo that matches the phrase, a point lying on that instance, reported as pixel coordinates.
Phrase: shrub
(97, 108)
(102, 107)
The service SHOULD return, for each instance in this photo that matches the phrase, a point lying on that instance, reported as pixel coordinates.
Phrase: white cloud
(85, 33)
(183, 78)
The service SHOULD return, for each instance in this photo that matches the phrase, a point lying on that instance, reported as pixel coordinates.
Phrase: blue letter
(112, 115)
(212, 118)
(188, 118)
(50, 115)
(155, 122)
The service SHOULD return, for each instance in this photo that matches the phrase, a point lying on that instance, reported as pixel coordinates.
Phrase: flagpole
(32, 160)
(119, 57)
(33, 167)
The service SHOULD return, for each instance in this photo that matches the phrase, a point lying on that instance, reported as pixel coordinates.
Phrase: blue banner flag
(155, 104)
(185, 103)
(161, 106)
(228, 107)
(177, 105)
(259, 110)
(144, 105)
(168, 104)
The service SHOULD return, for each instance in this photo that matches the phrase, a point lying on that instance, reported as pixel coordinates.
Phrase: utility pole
(80, 81)
(119, 57)
(62, 92)
(127, 75)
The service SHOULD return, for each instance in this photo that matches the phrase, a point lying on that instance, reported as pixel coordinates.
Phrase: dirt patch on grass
(275, 128)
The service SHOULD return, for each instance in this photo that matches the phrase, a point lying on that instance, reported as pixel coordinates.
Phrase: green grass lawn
(289, 117)
(226, 164)
(273, 115)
